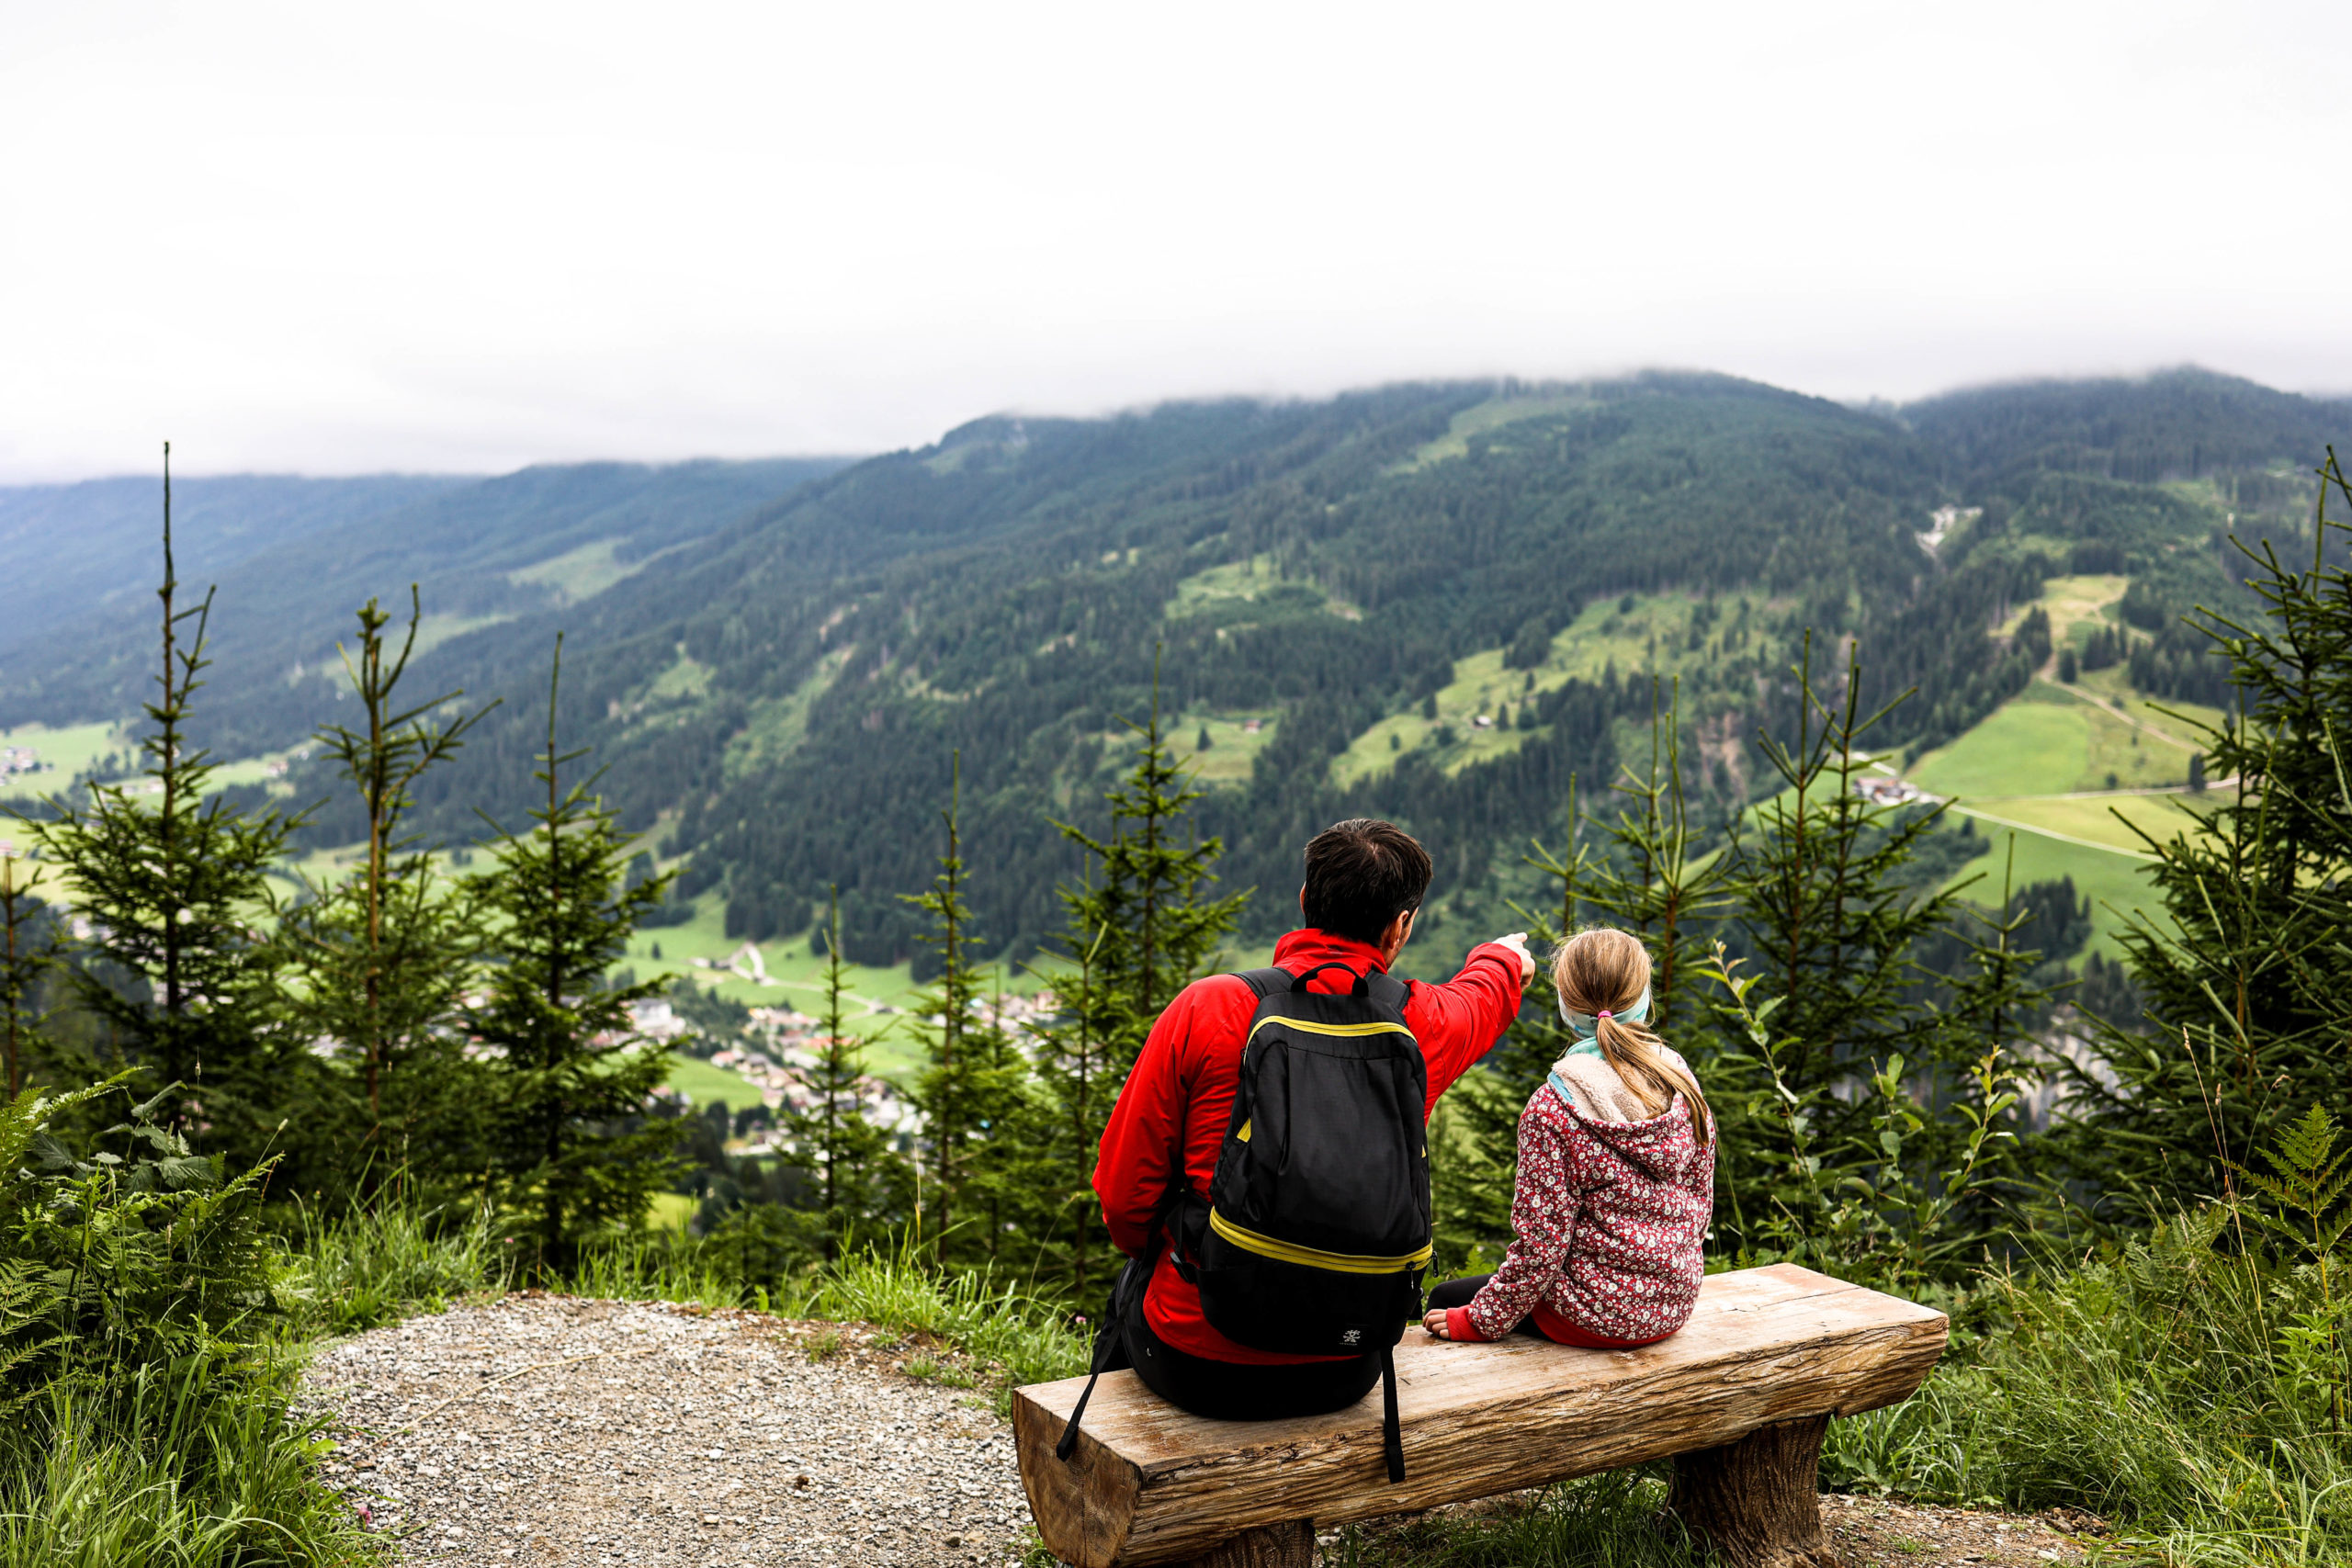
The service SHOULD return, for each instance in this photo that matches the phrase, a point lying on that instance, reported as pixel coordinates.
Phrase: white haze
(339, 238)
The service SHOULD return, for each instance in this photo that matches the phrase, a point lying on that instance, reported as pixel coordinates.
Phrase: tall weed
(145, 1385)
(127, 1262)
(361, 1268)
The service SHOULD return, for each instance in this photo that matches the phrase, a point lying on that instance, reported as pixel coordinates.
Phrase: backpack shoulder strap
(1388, 993)
(1264, 982)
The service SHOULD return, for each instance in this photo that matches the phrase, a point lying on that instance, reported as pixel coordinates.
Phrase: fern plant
(2307, 1182)
(125, 1263)
(2307, 1186)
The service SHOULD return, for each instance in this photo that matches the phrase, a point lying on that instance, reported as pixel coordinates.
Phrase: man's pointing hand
(1517, 943)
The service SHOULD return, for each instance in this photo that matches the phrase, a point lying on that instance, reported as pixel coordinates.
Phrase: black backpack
(1316, 1229)
(1314, 1232)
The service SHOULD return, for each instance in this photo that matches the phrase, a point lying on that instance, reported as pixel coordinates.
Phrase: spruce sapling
(385, 956)
(176, 891)
(1138, 928)
(2245, 965)
(28, 951)
(571, 1152)
(971, 1089)
(832, 1132)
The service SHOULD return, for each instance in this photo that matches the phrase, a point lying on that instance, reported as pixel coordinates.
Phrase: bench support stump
(1276, 1546)
(1757, 1500)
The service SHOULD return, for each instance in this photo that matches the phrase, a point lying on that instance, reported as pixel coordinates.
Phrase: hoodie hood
(1658, 1147)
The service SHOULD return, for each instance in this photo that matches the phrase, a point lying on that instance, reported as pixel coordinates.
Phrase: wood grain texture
(1281, 1546)
(1150, 1484)
(1757, 1501)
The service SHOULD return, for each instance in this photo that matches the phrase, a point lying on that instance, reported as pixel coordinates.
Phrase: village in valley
(779, 1049)
(15, 760)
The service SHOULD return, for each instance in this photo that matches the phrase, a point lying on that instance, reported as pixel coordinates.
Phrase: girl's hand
(1435, 1323)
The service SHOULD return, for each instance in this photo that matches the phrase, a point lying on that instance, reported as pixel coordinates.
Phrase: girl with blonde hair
(1616, 1175)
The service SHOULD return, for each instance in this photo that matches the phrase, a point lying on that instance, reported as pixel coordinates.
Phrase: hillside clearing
(1481, 418)
(2049, 741)
(63, 753)
(1660, 634)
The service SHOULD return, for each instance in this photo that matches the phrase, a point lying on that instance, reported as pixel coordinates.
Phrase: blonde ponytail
(1606, 971)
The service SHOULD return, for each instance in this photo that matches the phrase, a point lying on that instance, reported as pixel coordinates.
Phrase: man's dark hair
(1360, 874)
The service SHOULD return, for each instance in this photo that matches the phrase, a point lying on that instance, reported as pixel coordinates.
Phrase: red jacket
(1176, 1102)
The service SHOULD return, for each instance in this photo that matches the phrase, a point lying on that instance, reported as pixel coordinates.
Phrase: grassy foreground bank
(2191, 1395)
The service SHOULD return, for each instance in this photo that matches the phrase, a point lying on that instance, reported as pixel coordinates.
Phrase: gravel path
(548, 1429)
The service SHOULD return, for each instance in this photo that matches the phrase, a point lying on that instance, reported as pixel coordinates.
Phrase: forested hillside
(1432, 602)
(293, 557)
(69, 551)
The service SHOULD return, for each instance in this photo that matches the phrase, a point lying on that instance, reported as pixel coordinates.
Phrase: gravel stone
(540, 1429)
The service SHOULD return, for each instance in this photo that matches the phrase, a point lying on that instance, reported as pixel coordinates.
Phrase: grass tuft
(1014, 1338)
(170, 1474)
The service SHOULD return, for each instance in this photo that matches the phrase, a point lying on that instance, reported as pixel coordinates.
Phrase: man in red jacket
(1364, 884)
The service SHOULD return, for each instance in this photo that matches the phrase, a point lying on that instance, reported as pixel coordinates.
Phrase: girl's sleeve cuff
(1459, 1328)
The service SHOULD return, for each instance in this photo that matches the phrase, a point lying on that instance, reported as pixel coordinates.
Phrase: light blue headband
(1586, 1026)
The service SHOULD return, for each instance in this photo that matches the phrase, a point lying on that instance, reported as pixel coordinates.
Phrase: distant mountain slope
(794, 690)
(2182, 423)
(69, 551)
(483, 551)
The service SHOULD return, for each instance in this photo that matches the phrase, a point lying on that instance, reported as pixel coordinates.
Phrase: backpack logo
(1352, 1336)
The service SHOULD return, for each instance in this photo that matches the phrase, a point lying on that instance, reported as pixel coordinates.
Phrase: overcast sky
(333, 238)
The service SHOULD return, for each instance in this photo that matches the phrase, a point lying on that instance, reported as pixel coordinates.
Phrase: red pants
(1455, 1295)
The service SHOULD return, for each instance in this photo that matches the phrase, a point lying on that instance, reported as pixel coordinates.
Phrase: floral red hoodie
(1609, 1219)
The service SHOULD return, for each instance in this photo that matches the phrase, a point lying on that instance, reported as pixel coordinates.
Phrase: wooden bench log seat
(1740, 1399)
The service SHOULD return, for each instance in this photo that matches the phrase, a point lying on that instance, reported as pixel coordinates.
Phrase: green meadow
(707, 1085)
(2053, 740)
(2115, 882)
(2074, 775)
(1233, 748)
(75, 748)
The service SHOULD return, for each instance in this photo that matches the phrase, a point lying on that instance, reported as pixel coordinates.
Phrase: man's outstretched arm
(1460, 1021)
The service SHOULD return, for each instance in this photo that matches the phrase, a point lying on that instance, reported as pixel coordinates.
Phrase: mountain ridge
(778, 695)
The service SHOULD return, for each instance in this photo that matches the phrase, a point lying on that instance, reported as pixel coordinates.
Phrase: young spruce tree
(28, 954)
(384, 957)
(972, 1090)
(2245, 977)
(176, 888)
(1140, 927)
(1825, 909)
(848, 1155)
(571, 1152)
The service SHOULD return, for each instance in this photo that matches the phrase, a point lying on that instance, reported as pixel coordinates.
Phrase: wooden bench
(1740, 1400)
